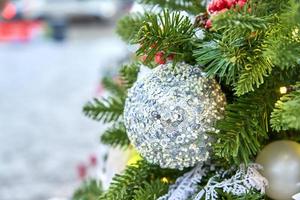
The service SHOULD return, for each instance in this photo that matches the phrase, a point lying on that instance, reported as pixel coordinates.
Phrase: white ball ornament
(169, 112)
(281, 167)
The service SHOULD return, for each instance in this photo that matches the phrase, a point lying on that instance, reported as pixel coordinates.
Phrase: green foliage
(138, 179)
(124, 186)
(242, 21)
(89, 190)
(252, 51)
(246, 127)
(129, 74)
(241, 131)
(249, 43)
(286, 114)
(254, 72)
(248, 196)
(106, 110)
(283, 41)
(191, 6)
(129, 26)
(116, 136)
(151, 191)
(219, 59)
(169, 32)
(113, 87)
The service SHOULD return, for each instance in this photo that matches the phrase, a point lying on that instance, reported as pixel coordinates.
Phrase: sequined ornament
(169, 112)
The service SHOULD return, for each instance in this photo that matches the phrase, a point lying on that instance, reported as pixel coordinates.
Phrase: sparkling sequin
(168, 114)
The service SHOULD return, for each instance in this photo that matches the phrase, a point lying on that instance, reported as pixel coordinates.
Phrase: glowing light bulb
(283, 90)
(164, 180)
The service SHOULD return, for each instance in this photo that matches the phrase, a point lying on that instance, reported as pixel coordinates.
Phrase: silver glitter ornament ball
(169, 112)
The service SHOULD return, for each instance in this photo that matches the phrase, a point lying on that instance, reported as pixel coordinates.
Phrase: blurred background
(53, 54)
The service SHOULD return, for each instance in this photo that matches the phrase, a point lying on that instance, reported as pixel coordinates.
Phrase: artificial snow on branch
(186, 185)
(245, 180)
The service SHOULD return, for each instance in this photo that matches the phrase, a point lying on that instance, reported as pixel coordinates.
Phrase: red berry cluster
(216, 6)
(82, 168)
(160, 58)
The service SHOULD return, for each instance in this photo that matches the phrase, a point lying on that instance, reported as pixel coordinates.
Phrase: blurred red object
(9, 11)
(19, 30)
(93, 160)
(82, 171)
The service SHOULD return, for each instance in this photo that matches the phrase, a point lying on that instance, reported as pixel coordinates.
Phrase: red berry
(230, 3)
(82, 171)
(241, 3)
(221, 4)
(160, 58)
(143, 58)
(170, 57)
(216, 6)
(211, 7)
(208, 24)
(93, 160)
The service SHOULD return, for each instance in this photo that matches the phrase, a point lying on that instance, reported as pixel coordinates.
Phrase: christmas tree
(217, 113)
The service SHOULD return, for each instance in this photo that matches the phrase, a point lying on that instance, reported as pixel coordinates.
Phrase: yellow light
(295, 34)
(283, 90)
(133, 157)
(164, 180)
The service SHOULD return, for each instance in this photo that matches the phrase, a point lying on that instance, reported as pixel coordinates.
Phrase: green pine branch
(116, 136)
(286, 115)
(249, 44)
(129, 74)
(254, 72)
(241, 20)
(123, 187)
(129, 26)
(151, 191)
(137, 179)
(249, 196)
(221, 58)
(283, 41)
(246, 124)
(89, 190)
(169, 32)
(106, 110)
(113, 87)
(242, 130)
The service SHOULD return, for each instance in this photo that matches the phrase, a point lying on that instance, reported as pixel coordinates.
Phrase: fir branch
(246, 124)
(254, 72)
(134, 180)
(151, 191)
(286, 114)
(242, 130)
(129, 74)
(129, 26)
(106, 110)
(169, 32)
(249, 44)
(116, 136)
(123, 187)
(242, 21)
(220, 58)
(89, 190)
(190, 6)
(267, 7)
(283, 41)
(113, 87)
(249, 196)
